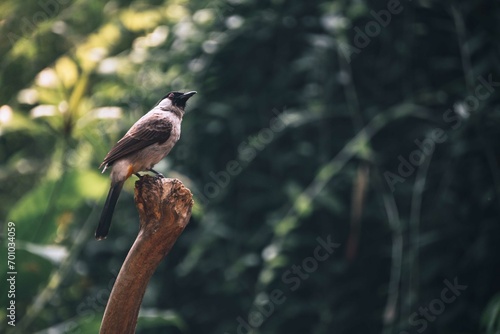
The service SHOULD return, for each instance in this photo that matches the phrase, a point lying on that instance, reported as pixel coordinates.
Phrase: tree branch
(164, 207)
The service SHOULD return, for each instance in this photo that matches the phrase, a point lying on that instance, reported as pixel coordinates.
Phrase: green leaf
(151, 318)
(52, 203)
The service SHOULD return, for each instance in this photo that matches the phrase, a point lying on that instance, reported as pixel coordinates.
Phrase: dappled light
(343, 159)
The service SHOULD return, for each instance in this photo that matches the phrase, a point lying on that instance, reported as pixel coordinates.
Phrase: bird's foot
(160, 175)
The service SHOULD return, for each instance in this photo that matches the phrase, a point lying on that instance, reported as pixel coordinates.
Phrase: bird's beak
(188, 94)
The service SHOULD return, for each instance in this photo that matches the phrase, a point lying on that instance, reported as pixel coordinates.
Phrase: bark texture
(164, 207)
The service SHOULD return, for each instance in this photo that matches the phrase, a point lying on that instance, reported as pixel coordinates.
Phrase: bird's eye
(171, 95)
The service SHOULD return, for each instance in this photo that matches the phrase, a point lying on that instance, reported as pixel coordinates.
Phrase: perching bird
(148, 141)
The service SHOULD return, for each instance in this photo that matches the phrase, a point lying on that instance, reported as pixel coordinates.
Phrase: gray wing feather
(145, 132)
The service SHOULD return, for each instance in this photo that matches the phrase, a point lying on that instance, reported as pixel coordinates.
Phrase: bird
(147, 142)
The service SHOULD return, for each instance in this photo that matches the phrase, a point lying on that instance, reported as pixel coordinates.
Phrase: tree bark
(164, 207)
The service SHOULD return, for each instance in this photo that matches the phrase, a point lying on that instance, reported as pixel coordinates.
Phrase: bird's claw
(160, 175)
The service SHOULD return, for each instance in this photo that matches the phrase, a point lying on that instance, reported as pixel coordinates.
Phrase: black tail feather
(107, 212)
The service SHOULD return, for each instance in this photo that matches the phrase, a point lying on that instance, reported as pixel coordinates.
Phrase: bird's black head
(178, 99)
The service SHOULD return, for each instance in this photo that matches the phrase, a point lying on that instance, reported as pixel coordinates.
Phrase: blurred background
(343, 156)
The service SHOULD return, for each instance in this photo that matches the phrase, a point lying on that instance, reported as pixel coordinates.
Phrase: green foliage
(304, 129)
(54, 201)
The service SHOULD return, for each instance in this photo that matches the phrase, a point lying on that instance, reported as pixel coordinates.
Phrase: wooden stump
(164, 210)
